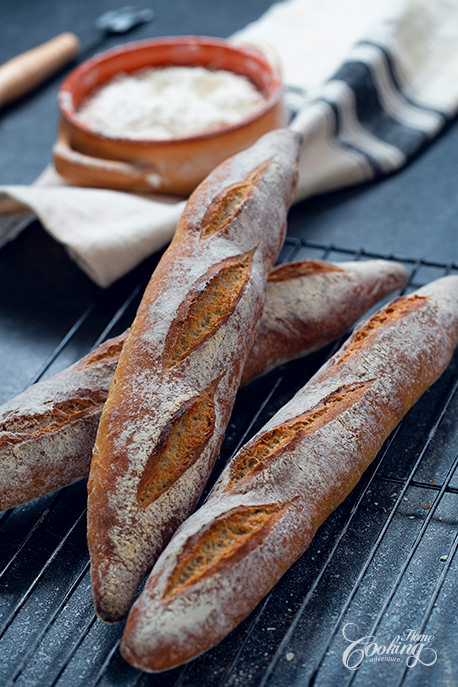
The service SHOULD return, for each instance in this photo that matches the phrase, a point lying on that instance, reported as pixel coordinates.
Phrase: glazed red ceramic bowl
(88, 158)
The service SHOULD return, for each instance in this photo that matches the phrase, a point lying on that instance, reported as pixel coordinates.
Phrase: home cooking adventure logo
(410, 646)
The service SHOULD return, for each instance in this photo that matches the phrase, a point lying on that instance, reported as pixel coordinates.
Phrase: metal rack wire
(49, 634)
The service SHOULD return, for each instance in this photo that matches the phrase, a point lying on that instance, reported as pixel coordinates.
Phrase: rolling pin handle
(23, 73)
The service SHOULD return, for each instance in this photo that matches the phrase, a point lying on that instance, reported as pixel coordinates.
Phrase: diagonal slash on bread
(193, 331)
(47, 433)
(281, 486)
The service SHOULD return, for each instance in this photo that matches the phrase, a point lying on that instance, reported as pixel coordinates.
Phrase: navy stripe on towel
(373, 161)
(371, 114)
(396, 81)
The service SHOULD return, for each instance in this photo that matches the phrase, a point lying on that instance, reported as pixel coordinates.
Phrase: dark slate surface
(52, 637)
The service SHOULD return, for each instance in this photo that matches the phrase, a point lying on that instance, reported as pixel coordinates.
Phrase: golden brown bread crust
(181, 365)
(272, 497)
(294, 323)
(308, 304)
(47, 432)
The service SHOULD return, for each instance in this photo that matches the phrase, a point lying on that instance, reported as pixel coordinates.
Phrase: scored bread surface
(280, 487)
(46, 439)
(47, 433)
(298, 295)
(180, 368)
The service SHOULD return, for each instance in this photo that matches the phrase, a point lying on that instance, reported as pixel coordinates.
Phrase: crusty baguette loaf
(310, 303)
(180, 367)
(281, 486)
(47, 433)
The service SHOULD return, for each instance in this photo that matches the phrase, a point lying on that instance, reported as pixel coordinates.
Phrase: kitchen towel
(375, 82)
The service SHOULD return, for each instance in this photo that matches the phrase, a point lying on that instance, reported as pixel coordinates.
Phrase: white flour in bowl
(169, 102)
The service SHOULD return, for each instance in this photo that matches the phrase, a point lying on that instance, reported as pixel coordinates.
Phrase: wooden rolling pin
(25, 72)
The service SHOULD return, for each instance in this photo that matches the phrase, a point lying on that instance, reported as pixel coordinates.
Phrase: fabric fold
(107, 233)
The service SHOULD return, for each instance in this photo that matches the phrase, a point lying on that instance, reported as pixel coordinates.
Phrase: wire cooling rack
(383, 566)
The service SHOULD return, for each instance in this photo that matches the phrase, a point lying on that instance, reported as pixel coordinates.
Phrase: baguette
(281, 486)
(181, 365)
(47, 433)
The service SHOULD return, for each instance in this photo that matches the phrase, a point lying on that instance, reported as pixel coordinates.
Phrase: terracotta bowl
(88, 158)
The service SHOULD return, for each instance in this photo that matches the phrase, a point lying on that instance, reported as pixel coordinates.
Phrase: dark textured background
(43, 294)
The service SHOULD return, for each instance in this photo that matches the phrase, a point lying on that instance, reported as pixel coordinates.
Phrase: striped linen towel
(379, 81)
(374, 82)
